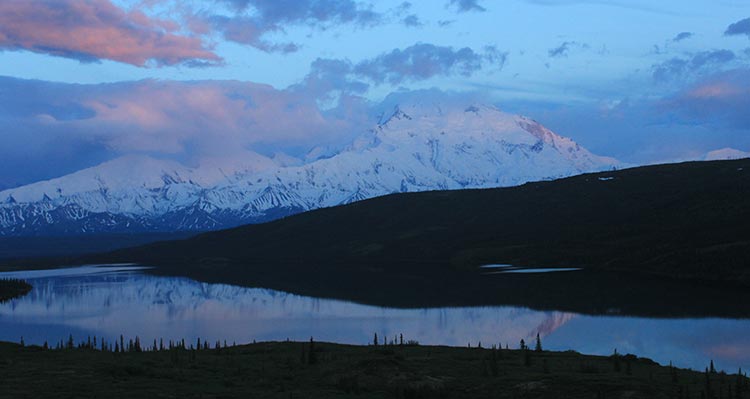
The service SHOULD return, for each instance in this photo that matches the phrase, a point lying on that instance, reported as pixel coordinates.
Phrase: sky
(85, 81)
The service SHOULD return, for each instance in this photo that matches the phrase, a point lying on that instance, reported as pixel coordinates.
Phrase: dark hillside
(683, 220)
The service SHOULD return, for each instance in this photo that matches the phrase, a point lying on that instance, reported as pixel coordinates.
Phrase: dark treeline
(132, 345)
(389, 366)
(12, 288)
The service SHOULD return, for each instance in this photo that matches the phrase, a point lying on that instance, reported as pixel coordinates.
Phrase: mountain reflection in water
(109, 302)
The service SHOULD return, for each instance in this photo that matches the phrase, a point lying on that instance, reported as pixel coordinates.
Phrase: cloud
(330, 77)
(721, 99)
(466, 5)
(682, 36)
(250, 21)
(739, 28)
(412, 21)
(423, 61)
(94, 30)
(564, 48)
(48, 129)
(696, 64)
(629, 4)
(245, 30)
(80, 124)
(313, 12)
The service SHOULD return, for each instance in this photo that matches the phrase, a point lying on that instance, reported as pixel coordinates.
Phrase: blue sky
(85, 81)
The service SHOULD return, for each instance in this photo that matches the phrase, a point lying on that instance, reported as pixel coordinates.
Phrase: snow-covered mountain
(413, 148)
(725, 154)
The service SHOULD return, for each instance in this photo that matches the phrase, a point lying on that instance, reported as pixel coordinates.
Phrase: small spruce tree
(312, 358)
(616, 361)
(538, 343)
(526, 357)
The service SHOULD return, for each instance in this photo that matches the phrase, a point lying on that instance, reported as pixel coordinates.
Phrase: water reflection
(107, 303)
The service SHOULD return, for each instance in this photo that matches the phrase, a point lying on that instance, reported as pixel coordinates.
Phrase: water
(503, 268)
(538, 270)
(107, 302)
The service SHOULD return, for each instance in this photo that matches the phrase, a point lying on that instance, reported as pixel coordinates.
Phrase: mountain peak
(435, 110)
(419, 146)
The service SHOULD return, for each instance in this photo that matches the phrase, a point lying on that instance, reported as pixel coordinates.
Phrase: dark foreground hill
(319, 370)
(688, 220)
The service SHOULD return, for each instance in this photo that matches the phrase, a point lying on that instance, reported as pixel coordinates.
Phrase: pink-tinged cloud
(92, 30)
(186, 118)
(714, 90)
(730, 351)
(723, 98)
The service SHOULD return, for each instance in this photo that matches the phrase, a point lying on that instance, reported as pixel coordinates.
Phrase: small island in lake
(13, 288)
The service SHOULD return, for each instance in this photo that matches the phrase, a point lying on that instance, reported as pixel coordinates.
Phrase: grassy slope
(276, 370)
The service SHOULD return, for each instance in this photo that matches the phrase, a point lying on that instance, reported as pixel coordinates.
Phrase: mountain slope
(416, 148)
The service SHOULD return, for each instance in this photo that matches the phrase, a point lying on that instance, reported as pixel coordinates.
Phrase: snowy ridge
(725, 154)
(414, 148)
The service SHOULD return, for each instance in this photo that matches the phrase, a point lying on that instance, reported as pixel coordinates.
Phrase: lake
(107, 302)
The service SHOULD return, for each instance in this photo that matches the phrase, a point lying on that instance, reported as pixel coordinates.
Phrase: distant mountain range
(414, 148)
